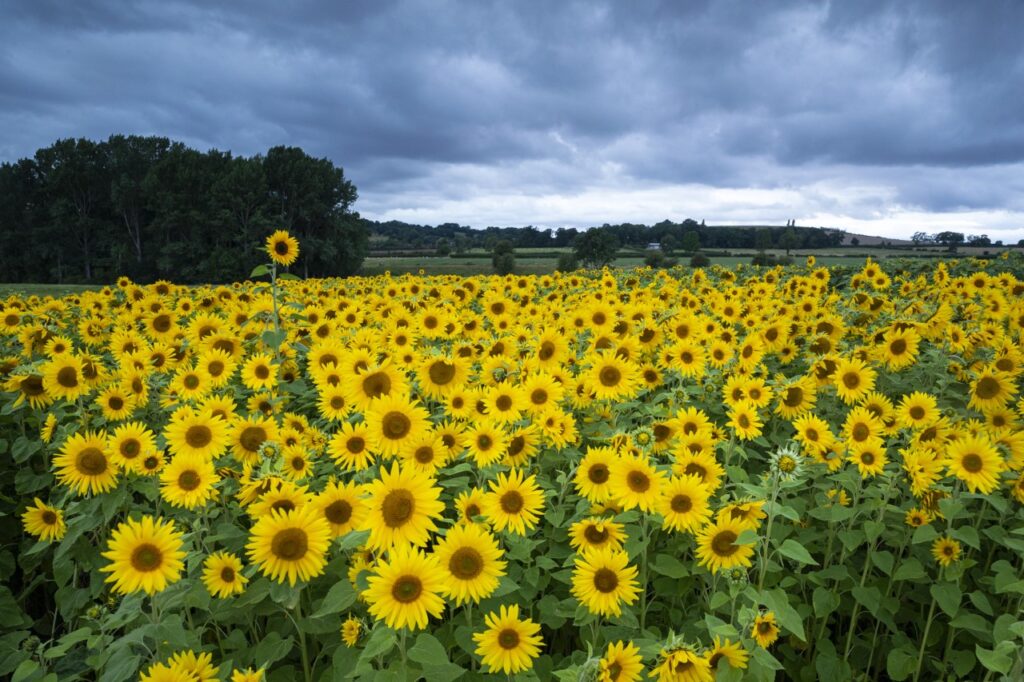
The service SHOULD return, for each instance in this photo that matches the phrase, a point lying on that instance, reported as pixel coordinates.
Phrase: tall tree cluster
(151, 208)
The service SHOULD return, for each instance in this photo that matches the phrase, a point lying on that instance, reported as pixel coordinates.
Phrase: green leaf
(274, 339)
(873, 529)
(884, 560)
(869, 597)
(747, 537)
(382, 640)
(900, 664)
(995, 659)
(666, 564)
(911, 569)
(968, 535)
(825, 602)
(272, 649)
(287, 276)
(339, 597)
(788, 617)
(121, 668)
(791, 549)
(924, 534)
(428, 651)
(353, 539)
(259, 271)
(25, 670)
(947, 595)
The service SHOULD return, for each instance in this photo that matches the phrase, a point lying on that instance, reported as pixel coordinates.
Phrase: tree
(443, 247)
(789, 240)
(596, 247)
(691, 241)
(855, 242)
(951, 240)
(503, 257)
(979, 240)
(763, 240)
(921, 238)
(668, 243)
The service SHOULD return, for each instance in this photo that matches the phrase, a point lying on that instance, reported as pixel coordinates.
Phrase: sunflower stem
(924, 640)
(763, 568)
(307, 673)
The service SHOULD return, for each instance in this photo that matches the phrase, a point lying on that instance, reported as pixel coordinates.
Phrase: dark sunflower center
(424, 454)
(609, 376)
(227, 574)
(917, 412)
(398, 508)
(49, 517)
(860, 432)
(723, 543)
(898, 347)
(191, 382)
(764, 628)
(598, 474)
(595, 535)
(605, 580)
(539, 396)
(794, 396)
(130, 448)
(407, 589)
(744, 421)
(512, 502)
(355, 444)
(466, 563)
(472, 510)
(91, 461)
(283, 505)
(484, 442)
(290, 544)
(215, 368)
(115, 403)
(503, 403)
(987, 388)
(868, 458)
(161, 323)
(67, 377)
(338, 512)
(681, 504)
(281, 248)
(337, 402)
(972, 463)
(851, 380)
(198, 436)
(638, 481)
(376, 384)
(547, 349)
(188, 480)
(262, 372)
(516, 446)
(508, 639)
(146, 557)
(441, 372)
(395, 425)
(252, 437)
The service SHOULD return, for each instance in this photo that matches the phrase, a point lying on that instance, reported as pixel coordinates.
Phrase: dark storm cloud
(472, 100)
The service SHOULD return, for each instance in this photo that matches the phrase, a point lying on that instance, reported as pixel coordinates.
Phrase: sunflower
(343, 507)
(278, 495)
(248, 435)
(612, 378)
(976, 462)
(701, 464)
(509, 644)
(813, 433)
(744, 420)
(403, 507)
(682, 665)
(541, 391)
(63, 377)
(115, 403)
(393, 421)
(144, 555)
(371, 383)
(350, 631)
(472, 559)
(188, 481)
(282, 248)
(717, 548)
(470, 504)
(30, 389)
(44, 522)
(486, 442)
(765, 630)
(918, 410)
(83, 466)
(406, 590)
(853, 379)
(635, 483)
(732, 652)
(196, 433)
(349, 447)
(290, 545)
(900, 348)
(603, 581)
(522, 446)
(222, 574)
(260, 372)
(191, 383)
(621, 662)
(199, 666)
(870, 457)
(247, 675)
(917, 517)
(748, 513)
(333, 403)
(159, 672)
(683, 504)
(440, 375)
(796, 398)
(991, 388)
(596, 532)
(128, 444)
(514, 502)
(862, 426)
(593, 474)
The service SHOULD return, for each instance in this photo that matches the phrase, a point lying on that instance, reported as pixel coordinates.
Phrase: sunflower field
(796, 473)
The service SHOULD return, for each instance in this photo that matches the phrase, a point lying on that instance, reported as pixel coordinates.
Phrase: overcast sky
(878, 117)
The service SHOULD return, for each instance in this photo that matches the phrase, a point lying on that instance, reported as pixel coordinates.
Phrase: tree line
(688, 235)
(151, 208)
